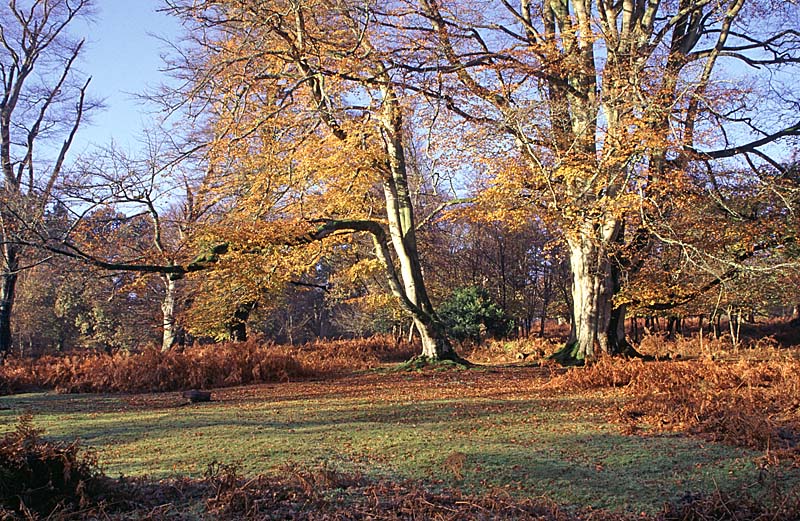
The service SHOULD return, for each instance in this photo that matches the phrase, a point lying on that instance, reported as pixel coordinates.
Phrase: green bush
(469, 312)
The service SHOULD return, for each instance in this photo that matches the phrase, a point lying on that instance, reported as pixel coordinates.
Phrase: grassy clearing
(476, 431)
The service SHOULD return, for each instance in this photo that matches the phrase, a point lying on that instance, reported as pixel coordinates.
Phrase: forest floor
(626, 438)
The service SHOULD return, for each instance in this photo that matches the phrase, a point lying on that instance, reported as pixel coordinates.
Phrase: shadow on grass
(609, 470)
(92, 417)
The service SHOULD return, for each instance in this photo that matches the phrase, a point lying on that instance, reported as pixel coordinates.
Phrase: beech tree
(609, 109)
(311, 126)
(43, 100)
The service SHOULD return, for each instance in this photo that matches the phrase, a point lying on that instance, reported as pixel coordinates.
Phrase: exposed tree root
(451, 361)
(569, 355)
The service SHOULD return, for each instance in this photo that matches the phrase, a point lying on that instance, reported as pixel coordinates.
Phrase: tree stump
(195, 396)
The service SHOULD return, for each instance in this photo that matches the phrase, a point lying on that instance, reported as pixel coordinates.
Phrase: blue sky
(123, 59)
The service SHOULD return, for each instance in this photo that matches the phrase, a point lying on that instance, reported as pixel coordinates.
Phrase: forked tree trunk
(435, 344)
(410, 285)
(597, 327)
(397, 252)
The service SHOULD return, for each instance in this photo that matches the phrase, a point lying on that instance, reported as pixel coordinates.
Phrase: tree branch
(422, 223)
(794, 130)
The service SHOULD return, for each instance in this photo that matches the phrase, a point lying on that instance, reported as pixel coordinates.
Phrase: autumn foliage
(325, 494)
(201, 366)
(38, 476)
(746, 403)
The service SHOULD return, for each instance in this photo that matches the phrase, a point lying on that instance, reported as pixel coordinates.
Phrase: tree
(735, 239)
(313, 131)
(519, 264)
(610, 108)
(135, 214)
(43, 98)
(130, 215)
(65, 305)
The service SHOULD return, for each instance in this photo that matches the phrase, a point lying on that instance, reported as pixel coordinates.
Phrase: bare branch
(751, 147)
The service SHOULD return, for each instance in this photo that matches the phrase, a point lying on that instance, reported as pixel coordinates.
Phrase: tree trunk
(410, 285)
(435, 345)
(617, 340)
(597, 327)
(545, 303)
(591, 299)
(237, 327)
(169, 335)
(8, 284)
(672, 327)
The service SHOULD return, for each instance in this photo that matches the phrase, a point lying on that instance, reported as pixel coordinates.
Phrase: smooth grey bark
(435, 345)
(593, 288)
(586, 177)
(169, 334)
(407, 283)
(402, 230)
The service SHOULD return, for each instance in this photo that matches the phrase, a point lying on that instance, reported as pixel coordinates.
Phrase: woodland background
(464, 170)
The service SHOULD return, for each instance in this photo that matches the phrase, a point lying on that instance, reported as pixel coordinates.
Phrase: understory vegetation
(319, 493)
(199, 366)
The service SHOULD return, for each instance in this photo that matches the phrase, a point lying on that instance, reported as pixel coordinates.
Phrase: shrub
(747, 403)
(733, 505)
(38, 476)
(469, 311)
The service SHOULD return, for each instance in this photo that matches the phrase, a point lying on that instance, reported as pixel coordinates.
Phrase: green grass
(530, 446)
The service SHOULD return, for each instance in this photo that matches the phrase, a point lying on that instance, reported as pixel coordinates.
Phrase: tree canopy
(649, 147)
